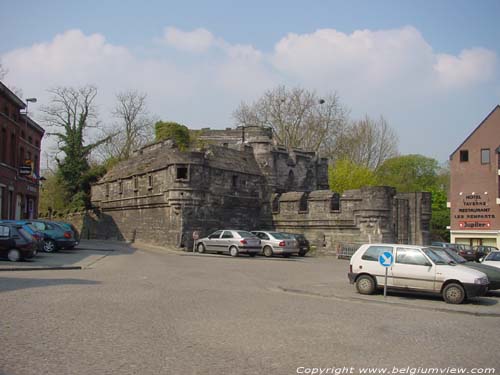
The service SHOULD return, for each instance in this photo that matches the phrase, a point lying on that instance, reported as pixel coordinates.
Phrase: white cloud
(379, 60)
(391, 72)
(470, 67)
(199, 40)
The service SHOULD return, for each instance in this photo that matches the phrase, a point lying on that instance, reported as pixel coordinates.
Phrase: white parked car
(492, 259)
(415, 268)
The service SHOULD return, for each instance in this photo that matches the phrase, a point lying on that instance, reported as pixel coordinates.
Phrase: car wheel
(302, 253)
(454, 293)
(268, 251)
(365, 284)
(233, 250)
(200, 248)
(252, 254)
(14, 255)
(49, 246)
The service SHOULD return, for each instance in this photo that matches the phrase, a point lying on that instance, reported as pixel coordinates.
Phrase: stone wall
(370, 214)
(285, 170)
(162, 195)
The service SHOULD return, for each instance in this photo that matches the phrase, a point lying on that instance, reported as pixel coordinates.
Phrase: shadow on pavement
(15, 283)
(412, 296)
(84, 255)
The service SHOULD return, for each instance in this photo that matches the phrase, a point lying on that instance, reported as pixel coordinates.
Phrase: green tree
(347, 175)
(409, 173)
(172, 130)
(71, 113)
(419, 173)
(53, 194)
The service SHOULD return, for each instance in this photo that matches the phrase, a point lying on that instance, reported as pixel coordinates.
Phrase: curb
(391, 303)
(48, 268)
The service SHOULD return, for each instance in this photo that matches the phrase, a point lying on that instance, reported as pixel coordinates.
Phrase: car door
(226, 240)
(264, 239)
(413, 270)
(213, 241)
(6, 242)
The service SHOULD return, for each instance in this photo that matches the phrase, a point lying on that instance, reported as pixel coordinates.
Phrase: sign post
(196, 236)
(386, 259)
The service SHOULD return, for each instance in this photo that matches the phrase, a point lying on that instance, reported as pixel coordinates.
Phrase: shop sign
(473, 211)
(474, 224)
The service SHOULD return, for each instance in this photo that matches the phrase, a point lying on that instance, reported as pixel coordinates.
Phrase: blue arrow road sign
(386, 259)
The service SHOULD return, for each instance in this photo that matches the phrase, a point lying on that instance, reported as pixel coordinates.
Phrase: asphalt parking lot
(331, 283)
(148, 310)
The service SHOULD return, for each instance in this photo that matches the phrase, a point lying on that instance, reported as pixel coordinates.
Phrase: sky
(431, 68)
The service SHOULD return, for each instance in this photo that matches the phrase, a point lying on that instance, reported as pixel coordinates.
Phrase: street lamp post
(28, 101)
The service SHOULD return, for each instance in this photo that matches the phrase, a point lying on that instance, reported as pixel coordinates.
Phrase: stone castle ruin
(242, 180)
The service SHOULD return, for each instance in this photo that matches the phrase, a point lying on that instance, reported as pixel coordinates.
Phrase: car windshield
(447, 255)
(24, 233)
(244, 234)
(434, 257)
(456, 258)
(493, 256)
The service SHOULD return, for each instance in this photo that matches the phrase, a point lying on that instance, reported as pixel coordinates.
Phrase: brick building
(474, 197)
(20, 140)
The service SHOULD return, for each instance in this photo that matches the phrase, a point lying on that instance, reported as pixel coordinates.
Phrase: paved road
(143, 312)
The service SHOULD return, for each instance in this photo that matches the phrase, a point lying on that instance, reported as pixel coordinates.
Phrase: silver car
(277, 243)
(233, 242)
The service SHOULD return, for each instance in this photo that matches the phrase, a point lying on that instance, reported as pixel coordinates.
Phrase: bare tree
(3, 71)
(366, 142)
(69, 115)
(299, 118)
(134, 126)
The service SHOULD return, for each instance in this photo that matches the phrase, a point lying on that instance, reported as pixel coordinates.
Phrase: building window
(136, 183)
(150, 182)
(485, 156)
(107, 190)
(464, 155)
(30, 140)
(303, 203)
(21, 156)
(335, 203)
(182, 173)
(235, 181)
(276, 204)
(120, 187)
(3, 155)
(13, 149)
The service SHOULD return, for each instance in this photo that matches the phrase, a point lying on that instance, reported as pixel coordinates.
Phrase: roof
(166, 155)
(34, 125)
(4, 89)
(497, 107)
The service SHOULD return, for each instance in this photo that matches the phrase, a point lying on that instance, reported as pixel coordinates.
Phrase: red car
(16, 243)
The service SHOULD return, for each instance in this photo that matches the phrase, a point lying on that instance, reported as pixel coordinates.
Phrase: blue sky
(431, 68)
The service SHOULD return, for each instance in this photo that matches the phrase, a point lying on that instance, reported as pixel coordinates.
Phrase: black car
(482, 250)
(465, 251)
(16, 243)
(304, 245)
